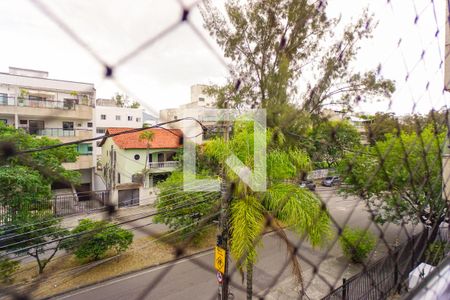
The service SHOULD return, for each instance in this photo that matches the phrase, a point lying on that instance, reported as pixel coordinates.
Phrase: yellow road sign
(219, 259)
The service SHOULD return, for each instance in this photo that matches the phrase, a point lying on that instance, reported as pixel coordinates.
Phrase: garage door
(129, 198)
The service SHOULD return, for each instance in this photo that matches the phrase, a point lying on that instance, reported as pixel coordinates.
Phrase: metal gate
(128, 197)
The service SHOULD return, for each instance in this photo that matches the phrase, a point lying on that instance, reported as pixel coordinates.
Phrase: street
(185, 279)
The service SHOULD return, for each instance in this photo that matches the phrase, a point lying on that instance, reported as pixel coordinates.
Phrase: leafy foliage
(400, 178)
(435, 252)
(181, 210)
(356, 244)
(332, 139)
(23, 193)
(288, 203)
(47, 163)
(7, 269)
(95, 238)
(273, 43)
(30, 235)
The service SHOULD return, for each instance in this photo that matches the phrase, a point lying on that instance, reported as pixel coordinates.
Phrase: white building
(112, 116)
(108, 115)
(199, 100)
(55, 108)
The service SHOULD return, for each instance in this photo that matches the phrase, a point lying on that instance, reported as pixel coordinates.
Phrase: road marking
(104, 284)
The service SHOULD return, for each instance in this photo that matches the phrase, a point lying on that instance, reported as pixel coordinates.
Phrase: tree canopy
(273, 44)
(400, 178)
(331, 140)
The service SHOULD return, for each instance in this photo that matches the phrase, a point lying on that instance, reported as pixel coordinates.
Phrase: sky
(160, 76)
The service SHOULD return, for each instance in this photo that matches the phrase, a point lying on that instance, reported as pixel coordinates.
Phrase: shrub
(100, 237)
(435, 253)
(356, 244)
(7, 269)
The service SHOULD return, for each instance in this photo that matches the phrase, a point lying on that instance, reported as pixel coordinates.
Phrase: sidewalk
(144, 227)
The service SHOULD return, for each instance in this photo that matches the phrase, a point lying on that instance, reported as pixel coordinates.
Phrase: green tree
(32, 235)
(331, 140)
(181, 210)
(135, 104)
(25, 193)
(94, 238)
(120, 99)
(283, 201)
(381, 124)
(273, 43)
(356, 243)
(400, 178)
(147, 136)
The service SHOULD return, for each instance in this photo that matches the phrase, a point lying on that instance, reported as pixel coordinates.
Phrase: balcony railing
(66, 104)
(163, 164)
(58, 132)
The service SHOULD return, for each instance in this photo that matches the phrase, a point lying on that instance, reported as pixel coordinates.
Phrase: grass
(65, 273)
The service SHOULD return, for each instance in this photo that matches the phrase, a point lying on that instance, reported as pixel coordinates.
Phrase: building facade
(131, 168)
(108, 115)
(58, 109)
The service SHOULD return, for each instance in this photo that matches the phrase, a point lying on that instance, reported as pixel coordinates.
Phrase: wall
(123, 112)
(111, 122)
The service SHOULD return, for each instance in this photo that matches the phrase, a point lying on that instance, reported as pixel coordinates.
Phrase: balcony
(65, 135)
(163, 166)
(83, 162)
(37, 106)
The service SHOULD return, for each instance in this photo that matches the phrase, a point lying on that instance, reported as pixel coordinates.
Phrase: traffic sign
(219, 259)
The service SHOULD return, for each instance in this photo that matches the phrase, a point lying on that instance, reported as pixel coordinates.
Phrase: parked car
(309, 184)
(331, 181)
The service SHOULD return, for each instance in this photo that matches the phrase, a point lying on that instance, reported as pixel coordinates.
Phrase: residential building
(201, 107)
(109, 115)
(199, 99)
(131, 168)
(59, 109)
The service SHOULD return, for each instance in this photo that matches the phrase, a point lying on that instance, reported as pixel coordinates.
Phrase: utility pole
(223, 238)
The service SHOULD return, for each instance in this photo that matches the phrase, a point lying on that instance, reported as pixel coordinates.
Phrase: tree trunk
(249, 280)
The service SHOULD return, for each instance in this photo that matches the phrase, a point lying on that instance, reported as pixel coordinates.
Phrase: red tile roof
(162, 138)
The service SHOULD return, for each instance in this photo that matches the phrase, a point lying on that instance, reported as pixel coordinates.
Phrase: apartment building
(59, 109)
(109, 115)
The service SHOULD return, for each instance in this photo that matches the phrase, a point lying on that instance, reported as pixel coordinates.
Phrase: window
(3, 99)
(89, 148)
(130, 118)
(175, 117)
(23, 122)
(103, 117)
(67, 125)
(4, 121)
(137, 157)
(89, 124)
(101, 130)
(118, 177)
(201, 99)
(117, 118)
(79, 125)
(138, 119)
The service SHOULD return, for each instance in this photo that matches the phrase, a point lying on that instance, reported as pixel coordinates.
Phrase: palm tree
(283, 201)
(146, 135)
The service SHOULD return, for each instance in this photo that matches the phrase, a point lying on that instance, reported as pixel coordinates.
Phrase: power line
(159, 125)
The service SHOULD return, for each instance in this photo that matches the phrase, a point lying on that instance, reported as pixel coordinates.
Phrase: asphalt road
(184, 279)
